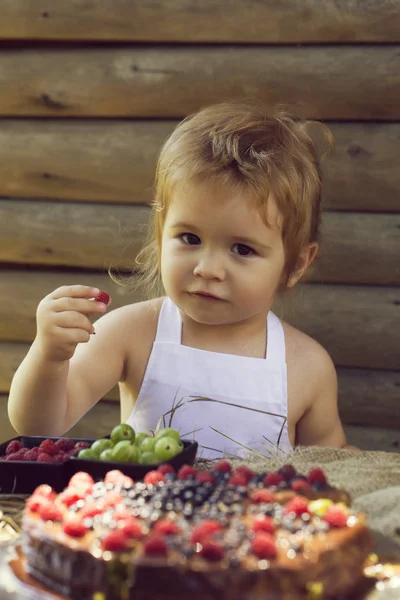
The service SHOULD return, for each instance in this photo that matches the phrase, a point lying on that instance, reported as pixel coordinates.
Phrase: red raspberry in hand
(103, 297)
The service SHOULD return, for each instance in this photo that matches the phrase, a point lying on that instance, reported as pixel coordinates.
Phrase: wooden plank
(373, 438)
(165, 81)
(355, 248)
(114, 161)
(358, 325)
(366, 397)
(239, 21)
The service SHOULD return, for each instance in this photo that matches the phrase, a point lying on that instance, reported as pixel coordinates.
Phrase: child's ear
(306, 258)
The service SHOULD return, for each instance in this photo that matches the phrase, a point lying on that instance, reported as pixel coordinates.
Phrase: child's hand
(63, 320)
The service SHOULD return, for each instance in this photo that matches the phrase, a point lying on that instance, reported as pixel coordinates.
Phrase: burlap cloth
(372, 479)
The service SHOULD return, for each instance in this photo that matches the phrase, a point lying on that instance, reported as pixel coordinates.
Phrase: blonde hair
(264, 151)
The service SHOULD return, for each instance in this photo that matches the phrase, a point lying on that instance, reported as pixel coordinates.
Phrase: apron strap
(275, 339)
(169, 328)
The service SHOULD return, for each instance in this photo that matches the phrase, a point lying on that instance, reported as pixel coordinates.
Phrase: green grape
(99, 445)
(166, 448)
(168, 431)
(123, 432)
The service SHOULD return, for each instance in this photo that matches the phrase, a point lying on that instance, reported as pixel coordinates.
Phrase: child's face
(220, 262)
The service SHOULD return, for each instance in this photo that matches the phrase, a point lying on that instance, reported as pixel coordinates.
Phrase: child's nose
(209, 267)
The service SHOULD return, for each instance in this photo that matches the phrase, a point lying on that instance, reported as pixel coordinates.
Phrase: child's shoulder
(143, 316)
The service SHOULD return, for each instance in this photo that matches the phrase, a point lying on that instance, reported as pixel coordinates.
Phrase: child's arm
(320, 425)
(54, 386)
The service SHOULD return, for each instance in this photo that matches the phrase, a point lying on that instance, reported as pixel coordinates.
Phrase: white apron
(216, 396)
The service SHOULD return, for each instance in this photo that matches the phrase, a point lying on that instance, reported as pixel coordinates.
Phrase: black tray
(98, 468)
(22, 477)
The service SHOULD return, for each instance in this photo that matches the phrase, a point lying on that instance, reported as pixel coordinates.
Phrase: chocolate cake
(198, 535)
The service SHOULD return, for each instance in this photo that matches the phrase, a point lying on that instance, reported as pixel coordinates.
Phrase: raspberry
(91, 510)
(264, 524)
(238, 479)
(15, 456)
(74, 527)
(127, 482)
(297, 505)
(48, 447)
(44, 457)
(155, 545)
(223, 467)
(164, 469)
(272, 479)
(80, 478)
(35, 502)
(153, 477)
(166, 527)
(70, 496)
(115, 541)
(103, 297)
(34, 452)
(316, 475)
(81, 445)
(112, 499)
(65, 444)
(212, 550)
(31, 455)
(287, 472)
(114, 477)
(336, 517)
(262, 496)
(186, 471)
(245, 471)
(45, 491)
(204, 530)
(13, 447)
(49, 512)
(263, 545)
(205, 477)
(132, 528)
(301, 487)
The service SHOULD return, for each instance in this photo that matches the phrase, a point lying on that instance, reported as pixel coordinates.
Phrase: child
(235, 222)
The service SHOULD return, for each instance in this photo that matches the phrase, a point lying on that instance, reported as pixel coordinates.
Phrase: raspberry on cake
(189, 537)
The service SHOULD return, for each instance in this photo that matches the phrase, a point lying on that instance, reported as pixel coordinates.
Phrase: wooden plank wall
(90, 90)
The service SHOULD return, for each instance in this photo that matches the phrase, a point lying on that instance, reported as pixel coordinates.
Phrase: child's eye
(242, 250)
(190, 238)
